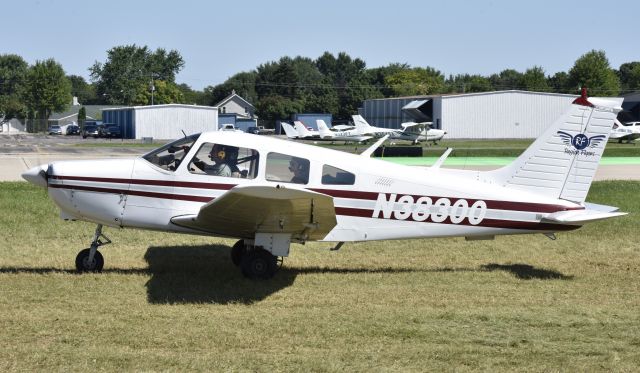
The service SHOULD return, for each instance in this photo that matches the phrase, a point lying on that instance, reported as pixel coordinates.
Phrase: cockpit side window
(287, 168)
(336, 176)
(216, 159)
(169, 156)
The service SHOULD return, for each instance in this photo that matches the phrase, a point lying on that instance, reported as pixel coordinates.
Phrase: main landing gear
(90, 259)
(254, 261)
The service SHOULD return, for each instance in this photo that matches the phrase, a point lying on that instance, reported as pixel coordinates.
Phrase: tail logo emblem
(580, 141)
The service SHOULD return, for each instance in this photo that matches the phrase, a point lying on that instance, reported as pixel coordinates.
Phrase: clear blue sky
(218, 39)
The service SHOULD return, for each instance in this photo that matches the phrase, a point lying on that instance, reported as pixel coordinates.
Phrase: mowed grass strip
(175, 302)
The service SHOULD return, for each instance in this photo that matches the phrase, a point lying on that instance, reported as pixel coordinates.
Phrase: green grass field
(175, 302)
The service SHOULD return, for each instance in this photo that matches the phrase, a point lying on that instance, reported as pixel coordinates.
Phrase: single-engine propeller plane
(269, 193)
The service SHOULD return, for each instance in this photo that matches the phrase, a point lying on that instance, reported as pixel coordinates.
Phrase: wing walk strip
(363, 212)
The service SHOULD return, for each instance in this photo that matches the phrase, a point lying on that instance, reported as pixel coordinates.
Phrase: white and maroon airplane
(275, 192)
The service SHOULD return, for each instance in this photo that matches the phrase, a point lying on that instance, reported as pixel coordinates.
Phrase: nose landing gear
(90, 259)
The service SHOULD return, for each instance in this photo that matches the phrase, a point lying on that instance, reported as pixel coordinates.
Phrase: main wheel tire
(237, 252)
(83, 264)
(258, 264)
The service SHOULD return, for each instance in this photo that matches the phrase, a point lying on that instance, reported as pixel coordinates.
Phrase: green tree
(629, 74)
(164, 93)
(535, 80)
(349, 79)
(416, 81)
(506, 80)
(46, 90)
(129, 70)
(82, 117)
(85, 92)
(559, 83)
(191, 96)
(378, 77)
(592, 70)
(468, 84)
(276, 107)
(13, 71)
(243, 83)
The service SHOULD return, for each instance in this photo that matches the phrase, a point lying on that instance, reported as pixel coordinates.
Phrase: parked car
(260, 130)
(73, 129)
(111, 130)
(91, 130)
(55, 130)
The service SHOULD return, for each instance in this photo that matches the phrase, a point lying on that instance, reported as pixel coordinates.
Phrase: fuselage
(373, 199)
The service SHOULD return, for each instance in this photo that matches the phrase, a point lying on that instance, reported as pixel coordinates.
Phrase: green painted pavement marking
(491, 161)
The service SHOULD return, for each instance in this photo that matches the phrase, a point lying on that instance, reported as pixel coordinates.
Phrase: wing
(596, 140)
(566, 138)
(244, 211)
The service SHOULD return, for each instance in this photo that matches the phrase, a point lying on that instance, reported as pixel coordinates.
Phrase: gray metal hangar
(162, 121)
(487, 115)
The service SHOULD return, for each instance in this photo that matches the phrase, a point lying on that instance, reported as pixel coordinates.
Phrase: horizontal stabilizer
(580, 217)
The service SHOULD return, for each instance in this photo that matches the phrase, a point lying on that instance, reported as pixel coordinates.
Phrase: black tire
(258, 264)
(237, 253)
(83, 265)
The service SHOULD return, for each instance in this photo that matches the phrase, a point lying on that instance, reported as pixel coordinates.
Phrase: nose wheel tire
(83, 264)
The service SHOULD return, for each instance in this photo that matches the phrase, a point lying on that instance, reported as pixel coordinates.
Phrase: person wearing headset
(220, 157)
(300, 169)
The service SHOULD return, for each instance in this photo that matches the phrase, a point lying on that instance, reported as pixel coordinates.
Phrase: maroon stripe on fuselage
(167, 183)
(491, 204)
(486, 223)
(173, 196)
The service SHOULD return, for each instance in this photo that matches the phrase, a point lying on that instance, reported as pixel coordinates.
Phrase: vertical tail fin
(362, 125)
(302, 130)
(324, 131)
(563, 161)
(290, 131)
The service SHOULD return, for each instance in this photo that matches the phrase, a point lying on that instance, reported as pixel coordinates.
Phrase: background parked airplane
(625, 132)
(347, 135)
(414, 132)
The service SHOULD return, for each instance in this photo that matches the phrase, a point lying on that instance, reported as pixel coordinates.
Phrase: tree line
(336, 84)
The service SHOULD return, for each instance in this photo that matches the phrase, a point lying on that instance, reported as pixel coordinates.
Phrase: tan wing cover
(246, 210)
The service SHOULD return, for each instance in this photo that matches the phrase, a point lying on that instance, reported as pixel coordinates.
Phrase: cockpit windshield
(169, 156)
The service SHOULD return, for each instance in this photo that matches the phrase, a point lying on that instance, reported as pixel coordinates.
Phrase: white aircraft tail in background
(347, 135)
(304, 132)
(366, 129)
(289, 130)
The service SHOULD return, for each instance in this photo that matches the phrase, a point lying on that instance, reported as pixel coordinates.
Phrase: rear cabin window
(225, 160)
(336, 176)
(287, 168)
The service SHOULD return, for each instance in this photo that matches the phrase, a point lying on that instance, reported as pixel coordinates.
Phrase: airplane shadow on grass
(204, 274)
(526, 272)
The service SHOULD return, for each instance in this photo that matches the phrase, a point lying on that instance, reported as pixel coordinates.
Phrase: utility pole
(153, 88)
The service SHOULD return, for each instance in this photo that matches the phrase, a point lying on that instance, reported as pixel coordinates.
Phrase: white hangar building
(162, 121)
(486, 115)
